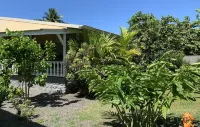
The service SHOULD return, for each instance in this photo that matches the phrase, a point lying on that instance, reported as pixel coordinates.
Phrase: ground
(57, 110)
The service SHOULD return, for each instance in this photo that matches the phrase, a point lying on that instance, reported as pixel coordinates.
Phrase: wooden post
(64, 54)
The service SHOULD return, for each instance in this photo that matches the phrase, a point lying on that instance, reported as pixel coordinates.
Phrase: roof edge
(92, 28)
(41, 22)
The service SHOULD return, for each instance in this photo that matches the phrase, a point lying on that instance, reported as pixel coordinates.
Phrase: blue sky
(103, 14)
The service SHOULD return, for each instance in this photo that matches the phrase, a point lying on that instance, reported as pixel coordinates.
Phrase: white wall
(192, 58)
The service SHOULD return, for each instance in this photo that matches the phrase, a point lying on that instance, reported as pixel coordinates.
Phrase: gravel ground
(52, 110)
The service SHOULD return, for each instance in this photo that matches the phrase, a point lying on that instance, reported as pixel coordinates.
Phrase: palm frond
(52, 16)
(126, 37)
(133, 52)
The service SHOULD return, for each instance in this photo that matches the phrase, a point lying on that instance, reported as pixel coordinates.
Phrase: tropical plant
(126, 47)
(98, 49)
(52, 16)
(77, 59)
(142, 71)
(141, 95)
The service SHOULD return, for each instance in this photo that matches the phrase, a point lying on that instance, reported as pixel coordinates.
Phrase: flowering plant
(187, 120)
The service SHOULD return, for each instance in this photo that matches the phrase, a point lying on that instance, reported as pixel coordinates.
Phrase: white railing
(56, 69)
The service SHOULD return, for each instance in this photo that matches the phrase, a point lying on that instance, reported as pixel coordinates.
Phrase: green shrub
(26, 110)
(23, 107)
(3, 94)
(4, 90)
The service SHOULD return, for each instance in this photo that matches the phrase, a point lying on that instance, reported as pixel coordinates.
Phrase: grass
(93, 114)
(179, 107)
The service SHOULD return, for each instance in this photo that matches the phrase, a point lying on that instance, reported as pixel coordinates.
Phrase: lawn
(179, 107)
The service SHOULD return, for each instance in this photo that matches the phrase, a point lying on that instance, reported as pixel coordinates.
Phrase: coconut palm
(52, 16)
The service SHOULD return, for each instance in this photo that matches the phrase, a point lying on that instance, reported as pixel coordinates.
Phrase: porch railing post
(64, 54)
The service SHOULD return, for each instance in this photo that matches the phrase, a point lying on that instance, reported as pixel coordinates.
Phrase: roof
(34, 27)
(16, 24)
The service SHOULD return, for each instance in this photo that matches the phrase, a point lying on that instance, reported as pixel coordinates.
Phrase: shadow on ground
(8, 119)
(53, 100)
(111, 119)
(171, 121)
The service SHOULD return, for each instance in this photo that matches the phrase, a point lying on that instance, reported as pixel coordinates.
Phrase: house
(58, 33)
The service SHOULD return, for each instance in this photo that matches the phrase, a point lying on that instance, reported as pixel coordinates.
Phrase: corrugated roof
(16, 24)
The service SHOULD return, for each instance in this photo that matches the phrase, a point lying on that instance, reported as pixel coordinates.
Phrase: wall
(192, 59)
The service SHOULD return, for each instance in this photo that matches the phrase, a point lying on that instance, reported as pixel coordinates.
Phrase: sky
(107, 15)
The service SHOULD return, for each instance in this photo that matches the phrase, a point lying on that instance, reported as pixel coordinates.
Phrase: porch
(41, 31)
(57, 66)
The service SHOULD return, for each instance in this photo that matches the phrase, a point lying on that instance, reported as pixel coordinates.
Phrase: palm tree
(52, 16)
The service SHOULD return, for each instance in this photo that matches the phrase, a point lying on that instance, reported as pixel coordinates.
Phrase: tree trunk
(26, 92)
(23, 95)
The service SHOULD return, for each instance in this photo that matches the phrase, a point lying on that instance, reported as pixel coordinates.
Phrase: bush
(26, 110)
(23, 107)
(77, 59)
(4, 90)
(3, 94)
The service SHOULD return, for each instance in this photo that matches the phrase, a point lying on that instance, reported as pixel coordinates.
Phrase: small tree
(28, 58)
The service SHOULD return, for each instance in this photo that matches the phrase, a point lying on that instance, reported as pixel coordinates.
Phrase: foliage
(23, 107)
(27, 57)
(98, 49)
(15, 92)
(7, 91)
(143, 86)
(141, 95)
(126, 49)
(87, 55)
(52, 16)
(156, 37)
(4, 82)
(3, 93)
(26, 110)
(77, 59)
